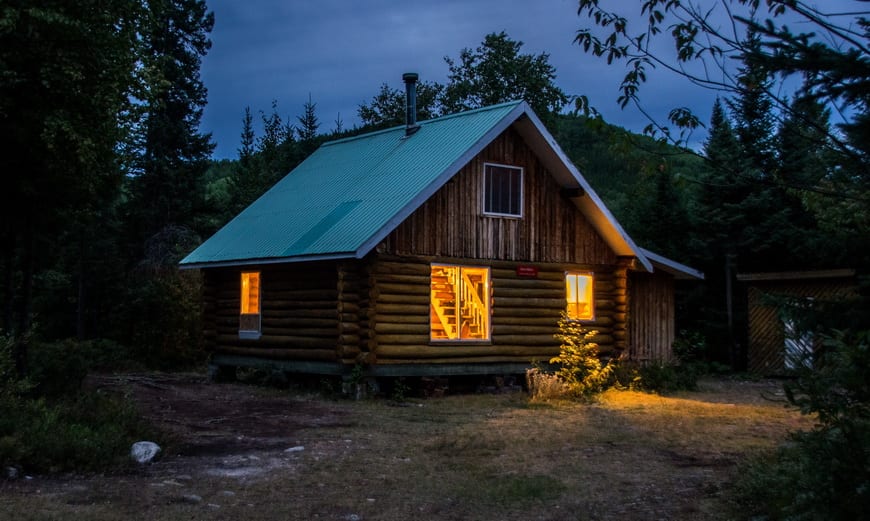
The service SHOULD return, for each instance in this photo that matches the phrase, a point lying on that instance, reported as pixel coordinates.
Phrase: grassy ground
(631, 456)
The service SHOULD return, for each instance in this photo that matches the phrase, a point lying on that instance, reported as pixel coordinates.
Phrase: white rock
(11, 473)
(298, 448)
(144, 451)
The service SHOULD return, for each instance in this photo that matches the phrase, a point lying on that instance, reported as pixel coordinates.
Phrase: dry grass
(629, 456)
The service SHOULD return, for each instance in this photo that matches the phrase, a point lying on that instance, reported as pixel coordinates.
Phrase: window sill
(250, 335)
(450, 343)
(501, 216)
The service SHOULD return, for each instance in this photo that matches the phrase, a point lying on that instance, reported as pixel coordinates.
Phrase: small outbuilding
(448, 246)
(777, 343)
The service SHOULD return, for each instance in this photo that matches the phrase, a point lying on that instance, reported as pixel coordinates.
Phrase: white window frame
(484, 191)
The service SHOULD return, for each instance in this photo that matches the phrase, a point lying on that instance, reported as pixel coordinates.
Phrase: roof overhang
(797, 275)
(566, 174)
(678, 270)
(270, 260)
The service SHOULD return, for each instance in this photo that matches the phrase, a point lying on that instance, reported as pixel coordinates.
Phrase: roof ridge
(424, 122)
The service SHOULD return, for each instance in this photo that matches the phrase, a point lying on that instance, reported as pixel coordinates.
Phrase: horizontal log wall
(451, 223)
(525, 312)
(652, 317)
(309, 311)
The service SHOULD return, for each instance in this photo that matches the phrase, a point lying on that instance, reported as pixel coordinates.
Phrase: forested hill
(636, 176)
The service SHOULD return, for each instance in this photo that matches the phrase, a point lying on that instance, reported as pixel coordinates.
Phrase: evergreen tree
(247, 180)
(752, 109)
(173, 155)
(659, 211)
(719, 226)
(166, 210)
(66, 74)
(246, 151)
(723, 190)
(276, 149)
(308, 122)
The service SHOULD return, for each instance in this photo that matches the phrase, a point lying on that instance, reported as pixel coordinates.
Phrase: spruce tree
(173, 155)
(308, 122)
(719, 226)
(247, 181)
(276, 149)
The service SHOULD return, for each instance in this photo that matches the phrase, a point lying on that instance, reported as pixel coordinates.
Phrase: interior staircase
(456, 310)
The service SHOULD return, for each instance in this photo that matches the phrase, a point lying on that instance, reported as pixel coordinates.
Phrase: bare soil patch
(238, 451)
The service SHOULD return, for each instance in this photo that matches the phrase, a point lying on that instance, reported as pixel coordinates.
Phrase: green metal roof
(349, 194)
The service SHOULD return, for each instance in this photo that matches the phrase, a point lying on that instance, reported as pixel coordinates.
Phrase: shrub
(92, 431)
(545, 386)
(823, 473)
(59, 368)
(66, 429)
(579, 363)
(667, 377)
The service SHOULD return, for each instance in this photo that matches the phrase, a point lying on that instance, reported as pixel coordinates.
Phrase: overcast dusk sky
(341, 51)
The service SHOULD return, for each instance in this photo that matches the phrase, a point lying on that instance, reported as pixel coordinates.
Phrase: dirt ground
(240, 451)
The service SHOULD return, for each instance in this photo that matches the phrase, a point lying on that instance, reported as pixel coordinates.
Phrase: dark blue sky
(341, 51)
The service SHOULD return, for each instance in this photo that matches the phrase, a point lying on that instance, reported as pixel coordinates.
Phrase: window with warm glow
(502, 190)
(459, 303)
(579, 296)
(249, 315)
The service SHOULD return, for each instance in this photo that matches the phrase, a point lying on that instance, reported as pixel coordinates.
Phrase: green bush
(66, 429)
(59, 368)
(823, 473)
(579, 363)
(92, 431)
(160, 319)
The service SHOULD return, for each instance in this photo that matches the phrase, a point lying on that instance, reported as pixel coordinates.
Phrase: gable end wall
(451, 223)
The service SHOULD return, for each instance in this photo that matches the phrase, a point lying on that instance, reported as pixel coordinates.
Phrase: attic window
(502, 190)
(249, 314)
(581, 305)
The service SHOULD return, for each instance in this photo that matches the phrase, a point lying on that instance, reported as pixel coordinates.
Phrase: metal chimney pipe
(411, 126)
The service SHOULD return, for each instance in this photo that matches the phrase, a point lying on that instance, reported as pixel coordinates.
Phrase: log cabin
(442, 247)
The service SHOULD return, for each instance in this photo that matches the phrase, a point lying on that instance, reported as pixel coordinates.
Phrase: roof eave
(269, 260)
(678, 270)
(589, 203)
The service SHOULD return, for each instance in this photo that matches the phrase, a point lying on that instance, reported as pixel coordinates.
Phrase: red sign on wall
(527, 271)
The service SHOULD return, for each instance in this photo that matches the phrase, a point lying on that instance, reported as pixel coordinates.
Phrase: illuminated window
(579, 296)
(502, 190)
(249, 315)
(459, 303)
